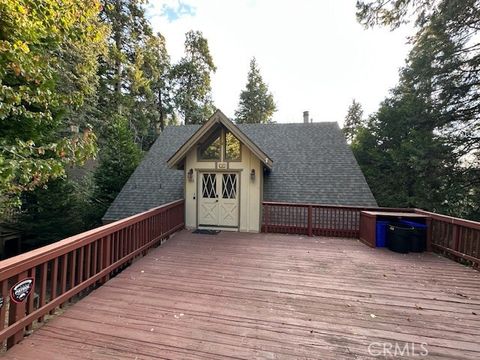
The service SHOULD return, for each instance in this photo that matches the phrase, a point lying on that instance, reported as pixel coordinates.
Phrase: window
(212, 149)
(229, 186)
(209, 186)
(222, 145)
(232, 148)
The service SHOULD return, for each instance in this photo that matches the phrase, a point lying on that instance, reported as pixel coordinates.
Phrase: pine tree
(52, 213)
(353, 120)
(150, 90)
(118, 159)
(191, 80)
(124, 86)
(442, 75)
(256, 102)
(156, 68)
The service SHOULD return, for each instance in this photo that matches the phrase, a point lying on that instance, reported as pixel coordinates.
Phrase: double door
(218, 199)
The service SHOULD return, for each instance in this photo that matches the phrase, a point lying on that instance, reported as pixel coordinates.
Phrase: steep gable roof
(153, 183)
(310, 163)
(218, 118)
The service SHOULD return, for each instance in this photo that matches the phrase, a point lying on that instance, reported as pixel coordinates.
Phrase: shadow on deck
(270, 296)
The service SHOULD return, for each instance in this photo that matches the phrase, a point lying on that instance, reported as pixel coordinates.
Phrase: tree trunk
(118, 64)
(160, 111)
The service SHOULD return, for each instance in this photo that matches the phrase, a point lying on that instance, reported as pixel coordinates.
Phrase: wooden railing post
(107, 255)
(266, 208)
(455, 237)
(429, 234)
(310, 220)
(15, 313)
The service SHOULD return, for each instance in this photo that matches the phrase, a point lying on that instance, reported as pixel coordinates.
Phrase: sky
(313, 54)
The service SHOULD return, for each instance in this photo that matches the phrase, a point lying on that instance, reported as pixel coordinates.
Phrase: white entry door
(218, 199)
(228, 210)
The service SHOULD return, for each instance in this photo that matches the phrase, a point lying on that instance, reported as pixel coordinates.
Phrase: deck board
(272, 296)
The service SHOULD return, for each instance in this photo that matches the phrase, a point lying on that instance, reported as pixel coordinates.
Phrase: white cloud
(313, 54)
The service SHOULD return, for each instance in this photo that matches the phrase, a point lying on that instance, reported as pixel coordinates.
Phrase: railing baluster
(310, 220)
(53, 282)
(42, 298)
(81, 264)
(88, 266)
(63, 276)
(31, 298)
(73, 269)
(95, 258)
(3, 309)
(106, 250)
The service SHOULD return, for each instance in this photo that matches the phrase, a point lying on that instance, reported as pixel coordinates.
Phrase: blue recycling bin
(381, 233)
(419, 236)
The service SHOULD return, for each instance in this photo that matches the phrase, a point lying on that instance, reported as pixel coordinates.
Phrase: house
(224, 171)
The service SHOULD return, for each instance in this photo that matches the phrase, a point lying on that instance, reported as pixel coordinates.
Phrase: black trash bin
(399, 237)
(419, 238)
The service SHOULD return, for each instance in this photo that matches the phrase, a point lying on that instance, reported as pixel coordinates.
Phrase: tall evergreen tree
(156, 68)
(191, 80)
(134, 100)
(445, 59)
(353, 120)
(256, 102)
(51, 213)
(124, 86)
(150, 91)
(436, 106)
(405, 163)
(119, 158)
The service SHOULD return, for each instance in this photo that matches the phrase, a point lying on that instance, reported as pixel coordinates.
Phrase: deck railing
(58, 272)
(314, 219)
(455, 237)
(451, 236)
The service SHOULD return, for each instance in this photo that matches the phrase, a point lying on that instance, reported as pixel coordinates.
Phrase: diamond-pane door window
(229, 186)
(209, 186)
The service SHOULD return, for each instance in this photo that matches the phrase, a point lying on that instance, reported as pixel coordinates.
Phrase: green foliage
(52, 213)
(405, 163)
(151, 89)
(96, 66)
(256, 102)
(436, 106)
(444, 62)
(118, 159)
(353, 120)
(48, 63)
(190, 79)
(133, 75)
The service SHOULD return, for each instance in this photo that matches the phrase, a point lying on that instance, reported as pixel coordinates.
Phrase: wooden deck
(269, 296)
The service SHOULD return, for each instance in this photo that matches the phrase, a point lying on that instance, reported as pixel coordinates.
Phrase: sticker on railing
(20, 291)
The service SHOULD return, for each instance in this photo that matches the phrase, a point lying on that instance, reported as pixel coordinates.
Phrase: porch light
(252, 175)
(190, 175)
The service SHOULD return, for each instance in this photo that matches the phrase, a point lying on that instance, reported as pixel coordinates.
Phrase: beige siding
(250, 191)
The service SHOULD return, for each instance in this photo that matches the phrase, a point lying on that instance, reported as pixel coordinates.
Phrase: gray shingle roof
(311, 163)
